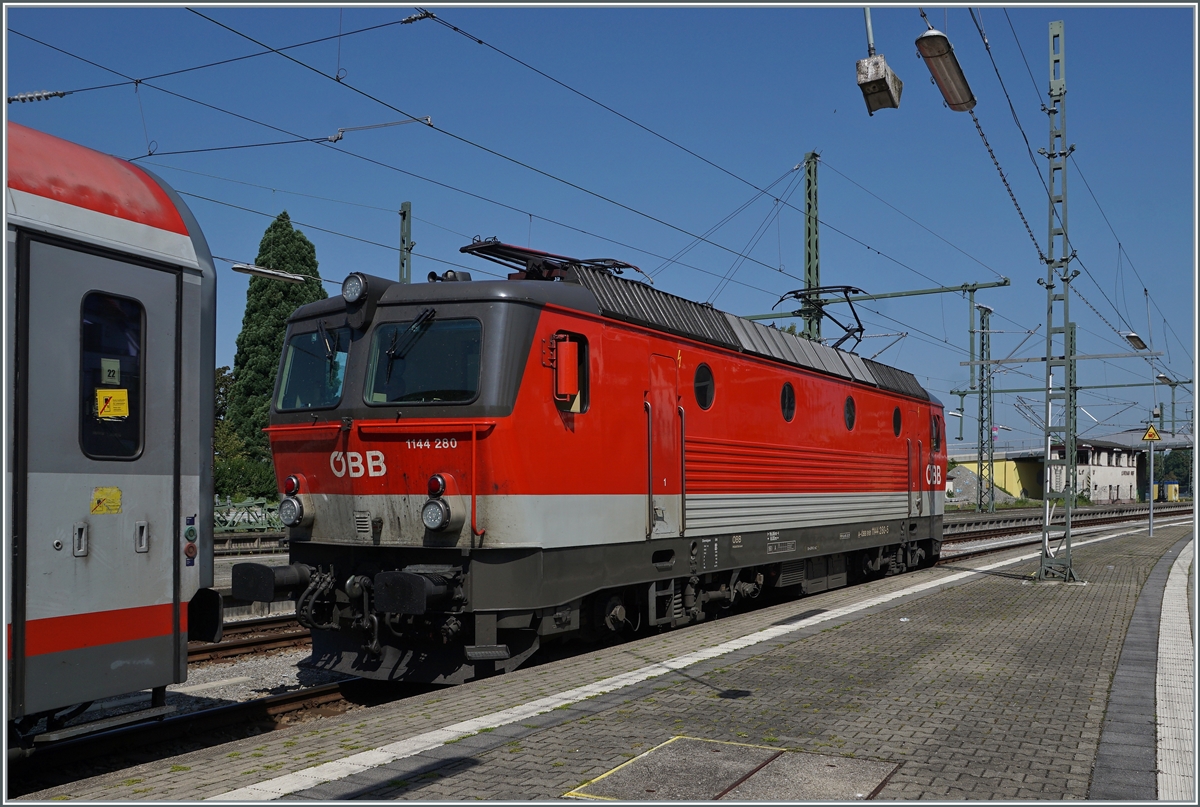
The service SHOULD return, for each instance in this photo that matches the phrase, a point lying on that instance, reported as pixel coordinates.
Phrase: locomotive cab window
(314, 367)
(935, 440)
(111, 339)
(425, 361)
(570, 368)
(705, 386)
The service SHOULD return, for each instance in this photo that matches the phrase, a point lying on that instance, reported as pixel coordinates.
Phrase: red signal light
(291, 485)
(437, 486)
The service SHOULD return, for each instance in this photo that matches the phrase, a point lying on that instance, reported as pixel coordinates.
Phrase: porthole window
(705, 386)
(849, 412)
(896, 421)
(787, 401)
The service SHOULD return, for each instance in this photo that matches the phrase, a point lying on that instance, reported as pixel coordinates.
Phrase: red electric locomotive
(472, 468)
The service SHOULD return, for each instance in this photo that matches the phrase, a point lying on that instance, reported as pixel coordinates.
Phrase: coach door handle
(141, 537)
(79, 539)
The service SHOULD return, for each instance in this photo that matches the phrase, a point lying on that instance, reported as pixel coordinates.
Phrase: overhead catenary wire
(324, 143)
(232, 59)
(1029, 151)
(331, 232)
(480, 146)
(541, 172)
(299, 138)
(683, 148)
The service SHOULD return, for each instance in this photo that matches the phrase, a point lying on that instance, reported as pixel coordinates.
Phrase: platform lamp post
(270, 274)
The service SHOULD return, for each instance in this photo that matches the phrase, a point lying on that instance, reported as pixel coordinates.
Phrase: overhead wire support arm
(864, 297)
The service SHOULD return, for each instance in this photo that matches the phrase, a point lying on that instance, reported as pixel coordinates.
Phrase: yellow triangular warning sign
(1151, 434)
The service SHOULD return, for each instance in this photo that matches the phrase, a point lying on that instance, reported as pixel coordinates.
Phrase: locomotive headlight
(435, 514)
(354, 287)
(291, 512)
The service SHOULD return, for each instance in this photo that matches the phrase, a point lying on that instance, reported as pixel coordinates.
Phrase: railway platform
(970, 680)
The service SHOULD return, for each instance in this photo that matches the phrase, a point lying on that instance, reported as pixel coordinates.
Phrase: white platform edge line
(1175, 686)
(302, 780)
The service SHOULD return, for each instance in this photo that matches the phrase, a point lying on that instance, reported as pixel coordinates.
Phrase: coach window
(705, 386)
(314, 366)
(896, 421)
(848, 413)
(787, 401)
(111, 338)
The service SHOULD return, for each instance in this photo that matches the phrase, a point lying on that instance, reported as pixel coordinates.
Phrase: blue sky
(749, 89)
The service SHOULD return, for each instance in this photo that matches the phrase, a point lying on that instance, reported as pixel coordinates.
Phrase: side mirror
(566, 370)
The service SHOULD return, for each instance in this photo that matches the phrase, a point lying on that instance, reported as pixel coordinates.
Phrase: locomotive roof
(593, 287)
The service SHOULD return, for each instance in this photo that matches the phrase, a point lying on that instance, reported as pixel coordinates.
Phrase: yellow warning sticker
(1151, 434)
(105, 501)
(112, 403)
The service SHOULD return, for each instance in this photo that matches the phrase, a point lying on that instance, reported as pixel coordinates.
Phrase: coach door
(664, 422)
(96, 612)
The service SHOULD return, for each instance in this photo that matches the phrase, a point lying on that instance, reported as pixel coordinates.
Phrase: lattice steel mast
(812, 247)
(1060, 331)
(985, 495)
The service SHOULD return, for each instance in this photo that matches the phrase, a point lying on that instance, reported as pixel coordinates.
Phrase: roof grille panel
(636, 302)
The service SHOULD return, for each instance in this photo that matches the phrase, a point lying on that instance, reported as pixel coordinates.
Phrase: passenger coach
(109, 319)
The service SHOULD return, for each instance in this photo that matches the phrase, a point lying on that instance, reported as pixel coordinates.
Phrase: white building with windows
(1108, 469)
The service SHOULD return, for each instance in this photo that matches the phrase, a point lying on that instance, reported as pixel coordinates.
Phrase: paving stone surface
(992, 688)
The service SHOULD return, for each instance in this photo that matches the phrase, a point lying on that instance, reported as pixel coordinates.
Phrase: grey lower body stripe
(1126, 765)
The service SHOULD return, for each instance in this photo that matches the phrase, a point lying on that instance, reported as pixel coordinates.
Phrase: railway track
(283, 632)
(251, 636)
(275, 711)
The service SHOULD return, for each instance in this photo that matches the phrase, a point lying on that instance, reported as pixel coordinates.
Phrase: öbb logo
(351, 462)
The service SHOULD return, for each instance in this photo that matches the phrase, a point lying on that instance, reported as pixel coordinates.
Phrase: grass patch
(398, 783)
(131, 782)
(178, 768)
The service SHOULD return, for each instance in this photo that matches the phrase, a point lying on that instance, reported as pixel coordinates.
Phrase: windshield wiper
(331, 350)
(398, 349)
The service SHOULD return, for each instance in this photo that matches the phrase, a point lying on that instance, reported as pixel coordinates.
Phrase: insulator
(41, 95)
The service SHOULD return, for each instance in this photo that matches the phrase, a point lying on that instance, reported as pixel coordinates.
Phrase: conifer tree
(269, 303)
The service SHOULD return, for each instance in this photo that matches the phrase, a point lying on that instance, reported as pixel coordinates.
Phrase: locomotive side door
(665, 449)
(96, 608)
